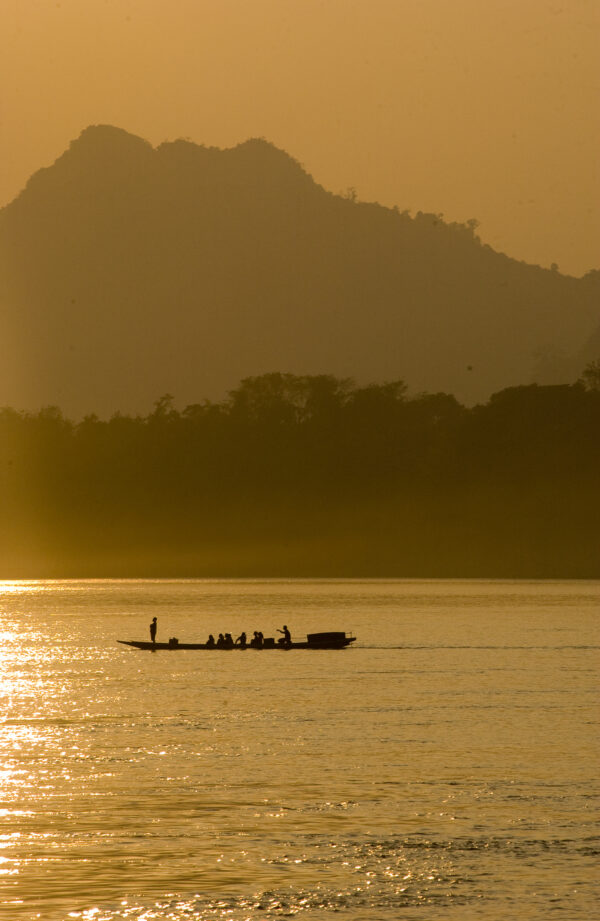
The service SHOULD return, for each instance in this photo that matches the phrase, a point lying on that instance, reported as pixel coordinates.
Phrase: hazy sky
(473, 108)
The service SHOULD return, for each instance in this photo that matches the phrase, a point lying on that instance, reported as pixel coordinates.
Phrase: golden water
(443, 767)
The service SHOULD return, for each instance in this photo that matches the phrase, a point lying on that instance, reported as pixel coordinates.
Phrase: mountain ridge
(131, 270)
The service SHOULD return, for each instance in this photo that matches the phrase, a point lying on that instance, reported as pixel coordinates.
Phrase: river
(444, 766)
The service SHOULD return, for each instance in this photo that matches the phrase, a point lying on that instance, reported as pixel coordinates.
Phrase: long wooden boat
(329, 640)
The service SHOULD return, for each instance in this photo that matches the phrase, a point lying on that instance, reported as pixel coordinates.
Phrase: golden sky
(473, 108)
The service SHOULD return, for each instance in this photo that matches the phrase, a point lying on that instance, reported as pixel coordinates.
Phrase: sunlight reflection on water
(443, 768)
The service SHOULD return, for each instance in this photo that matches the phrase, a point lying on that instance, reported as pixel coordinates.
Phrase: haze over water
(443, 767)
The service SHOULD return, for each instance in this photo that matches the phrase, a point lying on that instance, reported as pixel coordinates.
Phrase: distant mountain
(127, 272)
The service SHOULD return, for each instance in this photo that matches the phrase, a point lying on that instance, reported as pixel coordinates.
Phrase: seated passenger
(287, 636)
(228, 639)
(211, 640)
(221, 640)
(241, 640)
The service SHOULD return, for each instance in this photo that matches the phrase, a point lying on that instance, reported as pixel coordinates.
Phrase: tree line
(309, 475)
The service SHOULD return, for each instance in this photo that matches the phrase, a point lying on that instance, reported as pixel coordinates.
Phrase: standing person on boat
(153, 630)
(287, 636)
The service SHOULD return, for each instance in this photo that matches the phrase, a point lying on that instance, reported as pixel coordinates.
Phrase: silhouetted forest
(309, 475)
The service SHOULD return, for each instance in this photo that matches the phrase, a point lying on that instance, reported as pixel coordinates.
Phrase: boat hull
(332, 640)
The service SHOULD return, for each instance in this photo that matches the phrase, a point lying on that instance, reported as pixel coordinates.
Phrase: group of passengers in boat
(226, 641)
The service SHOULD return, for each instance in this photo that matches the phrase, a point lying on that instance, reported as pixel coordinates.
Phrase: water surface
(443, 767)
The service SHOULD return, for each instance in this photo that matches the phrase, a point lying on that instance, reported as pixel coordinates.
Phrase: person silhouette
(153, 630)
(287, 636)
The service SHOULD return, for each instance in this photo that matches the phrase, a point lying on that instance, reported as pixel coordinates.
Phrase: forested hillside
(127, 271)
